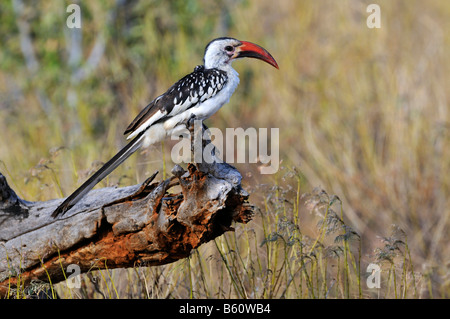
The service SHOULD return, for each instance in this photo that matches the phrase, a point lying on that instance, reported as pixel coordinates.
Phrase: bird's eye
(229, 48)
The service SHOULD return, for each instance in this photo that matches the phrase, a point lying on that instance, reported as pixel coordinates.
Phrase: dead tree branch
(141, 225)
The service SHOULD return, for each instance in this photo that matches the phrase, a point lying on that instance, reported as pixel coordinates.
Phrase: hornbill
(197, 95)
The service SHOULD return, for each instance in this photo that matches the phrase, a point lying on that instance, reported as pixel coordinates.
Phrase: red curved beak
(251, 50)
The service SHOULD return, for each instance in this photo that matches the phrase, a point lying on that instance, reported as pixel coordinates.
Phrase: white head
(220, 52)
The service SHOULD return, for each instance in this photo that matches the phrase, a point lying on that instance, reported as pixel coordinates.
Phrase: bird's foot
(190, 123)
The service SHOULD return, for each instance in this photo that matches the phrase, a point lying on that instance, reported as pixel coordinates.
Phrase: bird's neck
(233, 76)
(226, 67)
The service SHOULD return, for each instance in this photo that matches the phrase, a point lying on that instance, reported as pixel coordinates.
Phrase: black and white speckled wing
(191, 90)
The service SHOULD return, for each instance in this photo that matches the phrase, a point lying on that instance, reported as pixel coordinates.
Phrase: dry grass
(363, 113)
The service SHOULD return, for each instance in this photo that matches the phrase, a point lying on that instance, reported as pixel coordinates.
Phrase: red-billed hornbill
(197, 95)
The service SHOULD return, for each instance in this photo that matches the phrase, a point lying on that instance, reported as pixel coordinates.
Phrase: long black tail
(104, 171)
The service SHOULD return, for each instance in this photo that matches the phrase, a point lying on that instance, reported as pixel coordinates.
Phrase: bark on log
(140, 225)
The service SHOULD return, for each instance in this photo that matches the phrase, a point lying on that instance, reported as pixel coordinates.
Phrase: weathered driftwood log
(118, 227)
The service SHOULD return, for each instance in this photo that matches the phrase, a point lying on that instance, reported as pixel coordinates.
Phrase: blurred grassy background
(363, 113)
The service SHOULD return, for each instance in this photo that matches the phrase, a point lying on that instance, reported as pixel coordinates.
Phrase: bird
(197, 95)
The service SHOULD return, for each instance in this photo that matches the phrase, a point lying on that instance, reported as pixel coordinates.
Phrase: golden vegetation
(363, 113)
